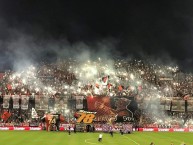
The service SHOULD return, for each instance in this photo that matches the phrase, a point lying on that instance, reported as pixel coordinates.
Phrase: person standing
(111, 133)
(93, 128)
(75, 128)
(121, 131)
(100, 137)
(69, 129)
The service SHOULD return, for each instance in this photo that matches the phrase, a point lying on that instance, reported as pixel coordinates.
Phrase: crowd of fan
(150, 81)
(63, 77)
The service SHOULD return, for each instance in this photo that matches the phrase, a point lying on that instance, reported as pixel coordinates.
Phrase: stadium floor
(63, 138)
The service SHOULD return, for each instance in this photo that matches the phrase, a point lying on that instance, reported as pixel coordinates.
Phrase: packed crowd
(119, 77)
(149, 83)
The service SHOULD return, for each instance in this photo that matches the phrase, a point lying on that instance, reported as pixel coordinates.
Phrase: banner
(166, 129)
(41, 102)
(178, 105)
(119, 109)
(51, 103)
(124, 108)
(71, 104)
(15, 101)
(101, 105)
(61, 103)
(37, 102)
(168, 104)
(24, 102)
(6, 99)
(34, 113)
(165, 79)
(20, 128)
(51, 121)
(190, 105)
(79, 102)
(84, 116)
(31, 102)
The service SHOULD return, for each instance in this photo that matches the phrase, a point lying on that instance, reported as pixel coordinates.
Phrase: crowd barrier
(21, 128)
(100, 129)
(166, 129)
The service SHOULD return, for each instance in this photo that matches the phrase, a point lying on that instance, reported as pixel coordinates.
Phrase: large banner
(119, 109)
(53, 119)
(37, 102)
(41, 102)
(124, 107)
(162, 103)
(71, 104)
(6, 99)
(190, 105)
(51, 103)
(79, 102)
(101, 105)
(178, 105)
(24, 102)
(61, 103)
(168, 104)
(15, 101)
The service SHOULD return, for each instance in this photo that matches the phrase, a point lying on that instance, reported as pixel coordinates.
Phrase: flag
(34, 113)
(24, 102)
(15, 101)
(5, 116)
(6, 100)
(79, 102)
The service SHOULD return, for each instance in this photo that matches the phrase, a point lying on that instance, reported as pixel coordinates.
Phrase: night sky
(39, 30)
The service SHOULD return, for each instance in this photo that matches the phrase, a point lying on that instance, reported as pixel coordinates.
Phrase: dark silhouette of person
(74, 128)
(69, 131)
